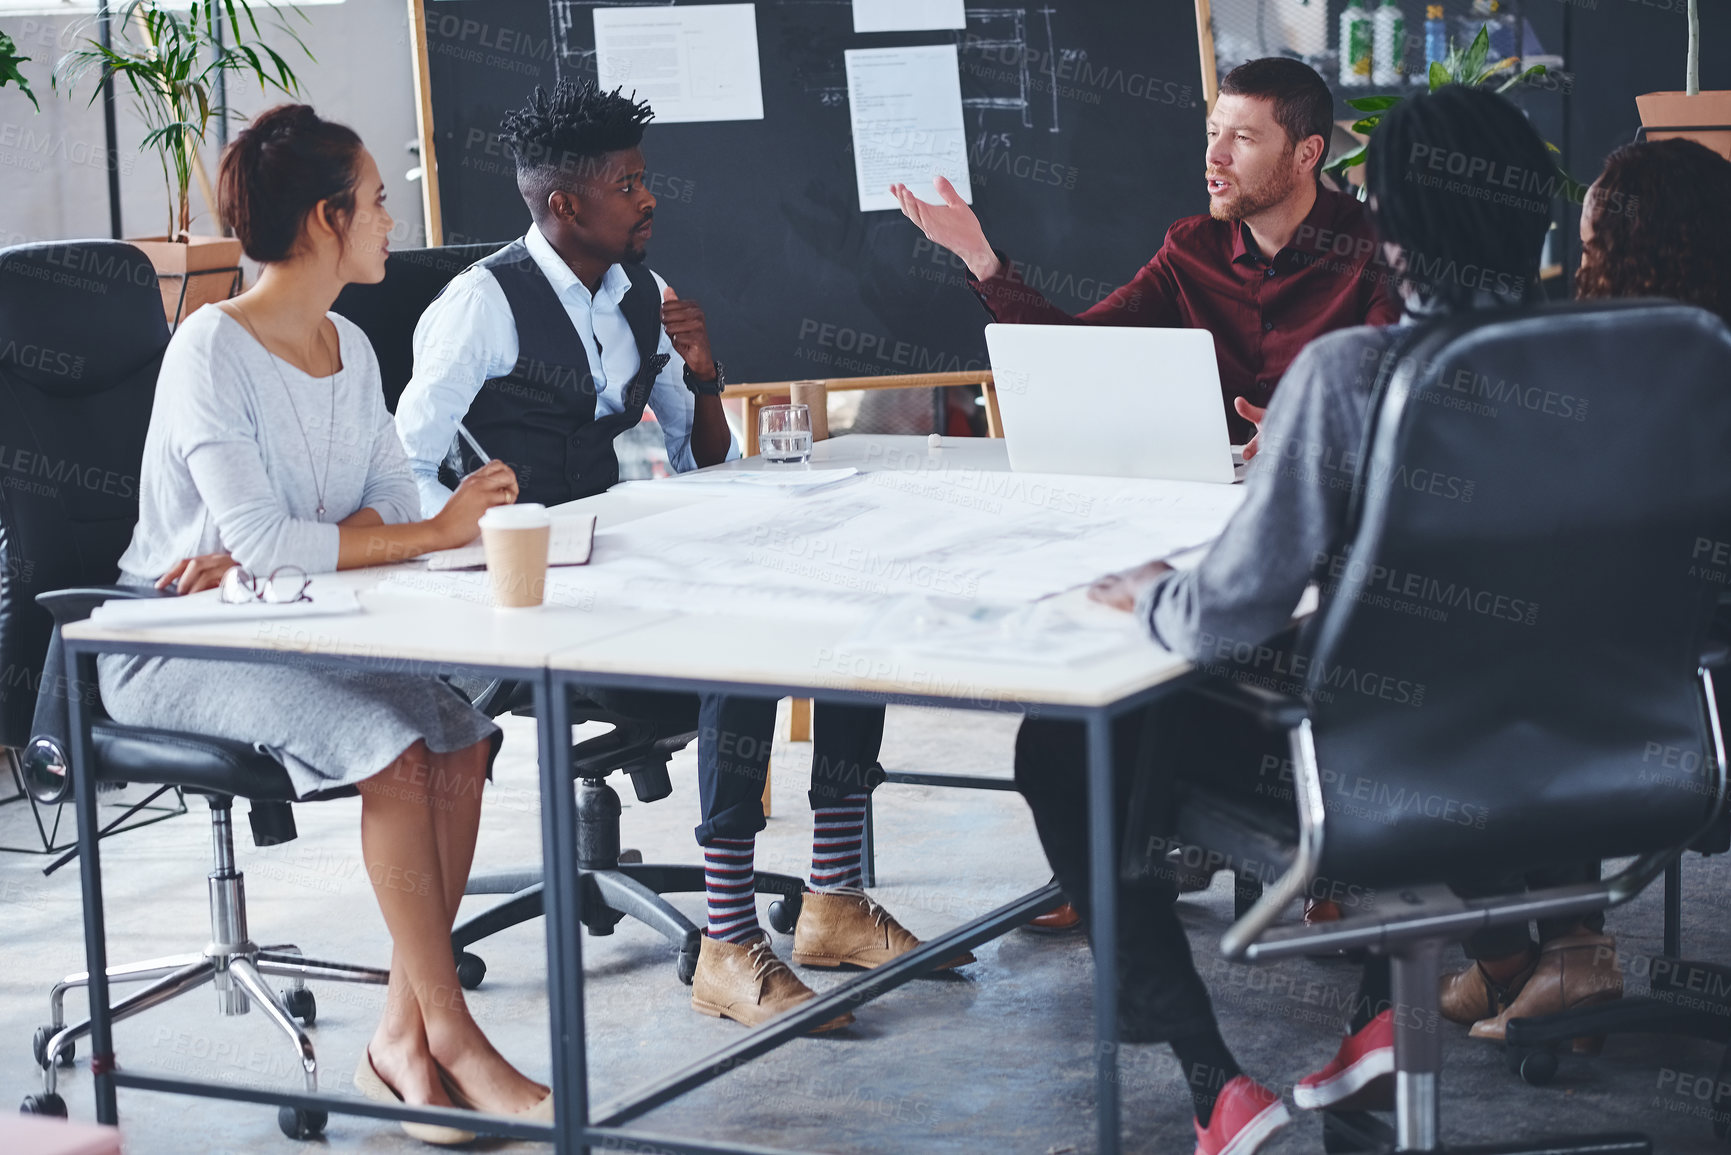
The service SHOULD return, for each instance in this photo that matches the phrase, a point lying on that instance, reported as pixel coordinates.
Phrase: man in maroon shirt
(1277, 261)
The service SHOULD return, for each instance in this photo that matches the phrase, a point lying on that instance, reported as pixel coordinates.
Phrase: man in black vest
(544, 353)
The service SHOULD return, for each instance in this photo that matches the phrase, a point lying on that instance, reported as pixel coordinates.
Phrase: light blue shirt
(468, 337)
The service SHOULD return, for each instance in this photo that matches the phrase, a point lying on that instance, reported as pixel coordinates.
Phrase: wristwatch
(706, 388)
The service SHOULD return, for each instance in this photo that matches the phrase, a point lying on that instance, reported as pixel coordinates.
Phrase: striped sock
(836, 836)
(731, 883)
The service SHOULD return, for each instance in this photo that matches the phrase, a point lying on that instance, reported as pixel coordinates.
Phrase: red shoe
(1361, 1076)
(1244, 1116)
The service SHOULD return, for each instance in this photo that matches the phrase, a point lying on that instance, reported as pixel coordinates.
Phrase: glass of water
(784, 434)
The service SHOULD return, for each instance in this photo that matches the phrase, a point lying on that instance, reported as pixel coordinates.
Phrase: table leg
(1103, 867)
(81, 690)
(564, 928)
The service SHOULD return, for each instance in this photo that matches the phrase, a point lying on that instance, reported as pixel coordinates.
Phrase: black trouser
(1511, 938)
(1160, 995)
(733, 757)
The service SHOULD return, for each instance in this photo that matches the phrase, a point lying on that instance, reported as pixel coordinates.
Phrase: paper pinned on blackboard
(690, 62)
(906, 109)
(908, 15)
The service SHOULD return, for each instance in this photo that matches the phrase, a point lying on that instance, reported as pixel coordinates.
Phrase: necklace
(330, 426)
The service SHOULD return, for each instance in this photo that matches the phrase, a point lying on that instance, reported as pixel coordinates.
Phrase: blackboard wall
(759, 221)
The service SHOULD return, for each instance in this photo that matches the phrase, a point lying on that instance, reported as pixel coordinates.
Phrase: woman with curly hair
(1656, 224)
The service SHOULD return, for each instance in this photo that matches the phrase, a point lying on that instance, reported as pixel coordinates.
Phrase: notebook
(572, 541)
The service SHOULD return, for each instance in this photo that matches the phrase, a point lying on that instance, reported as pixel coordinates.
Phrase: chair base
(232, 963)
(1360, 1132)
(627, 890)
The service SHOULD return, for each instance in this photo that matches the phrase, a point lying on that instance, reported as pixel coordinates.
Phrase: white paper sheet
(908, 15)
(691, 62)
(906, 109)
(570, 543)
(153, 613)
(796, 481)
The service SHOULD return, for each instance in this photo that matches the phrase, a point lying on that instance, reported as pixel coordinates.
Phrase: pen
(463, 431)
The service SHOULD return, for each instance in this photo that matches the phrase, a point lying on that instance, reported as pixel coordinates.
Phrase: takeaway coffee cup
(515, 538)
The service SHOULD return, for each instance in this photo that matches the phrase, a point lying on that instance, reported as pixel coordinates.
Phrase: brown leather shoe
(846, 928)
(1318, 910)
(1573, 971)
(747, 983)
(1058, 920)
(1467, 996)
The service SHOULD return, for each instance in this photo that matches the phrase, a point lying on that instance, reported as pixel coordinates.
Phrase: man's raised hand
(951, 225)
(689, 333)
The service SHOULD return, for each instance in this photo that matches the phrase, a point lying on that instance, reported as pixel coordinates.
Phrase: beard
(1255, 197)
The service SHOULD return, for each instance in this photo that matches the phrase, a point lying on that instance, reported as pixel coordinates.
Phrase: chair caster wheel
(1535, 1067)
(50, 1104)
(784, 913)
(470, 970)
(299, 1124)
(301, 1005)
(39, 1047)
(686, 963)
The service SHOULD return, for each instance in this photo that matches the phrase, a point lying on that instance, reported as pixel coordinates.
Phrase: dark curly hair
(1462, 184)
(557, 139)
(1660, 226)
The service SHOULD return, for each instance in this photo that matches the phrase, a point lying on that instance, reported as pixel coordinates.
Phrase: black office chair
(616, 883)
(97, 304)
(52, 486)
(1554, 522)
(388, 311)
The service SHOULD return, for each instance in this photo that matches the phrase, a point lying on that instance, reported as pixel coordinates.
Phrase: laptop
(1112, 402)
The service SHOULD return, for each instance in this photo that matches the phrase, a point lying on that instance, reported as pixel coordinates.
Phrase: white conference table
(556, 648)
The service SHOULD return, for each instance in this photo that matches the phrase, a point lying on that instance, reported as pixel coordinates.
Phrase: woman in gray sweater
(269, 446)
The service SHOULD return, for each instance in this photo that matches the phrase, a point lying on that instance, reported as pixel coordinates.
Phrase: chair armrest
(1273, 710)
(75, 604)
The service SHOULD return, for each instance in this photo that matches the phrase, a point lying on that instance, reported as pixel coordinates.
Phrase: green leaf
(1473, 60)
(9, 74)
(1337, 168)
(1373, 103)
(1535, 70)
(1367, 126)
(1439, 75)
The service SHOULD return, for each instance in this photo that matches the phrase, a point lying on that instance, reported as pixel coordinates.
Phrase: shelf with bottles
(1412, 33)
(1381, 47)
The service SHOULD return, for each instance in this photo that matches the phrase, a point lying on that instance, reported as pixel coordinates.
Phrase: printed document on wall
(908, 15)
(906, 107)
(691, 63)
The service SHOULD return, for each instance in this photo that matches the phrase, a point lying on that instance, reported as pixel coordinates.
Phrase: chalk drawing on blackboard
(998, 57)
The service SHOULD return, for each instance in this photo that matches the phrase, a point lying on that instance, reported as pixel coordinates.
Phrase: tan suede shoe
(1467, 996)
(749, 984)
(1573, 971)
(846, 928)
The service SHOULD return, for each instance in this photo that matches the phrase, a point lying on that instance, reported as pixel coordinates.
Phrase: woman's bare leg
(401, 841)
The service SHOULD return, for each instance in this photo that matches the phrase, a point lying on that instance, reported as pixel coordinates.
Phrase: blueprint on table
(850, 549)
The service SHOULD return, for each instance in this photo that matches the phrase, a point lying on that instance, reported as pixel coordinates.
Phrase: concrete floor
(997, 1060)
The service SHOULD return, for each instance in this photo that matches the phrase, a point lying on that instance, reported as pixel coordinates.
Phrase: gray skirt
(329, 728)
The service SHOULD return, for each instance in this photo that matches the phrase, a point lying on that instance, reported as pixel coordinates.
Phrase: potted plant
(1468, 66)
(171, 62)
(9, 74)
(1693, 114)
